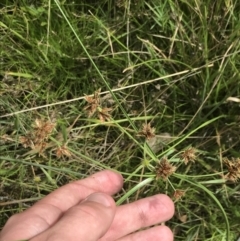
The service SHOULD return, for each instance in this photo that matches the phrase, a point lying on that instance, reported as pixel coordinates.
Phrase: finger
(161, 233)
(106, 181)
(47, 211)
(140, 214)
(86, 221)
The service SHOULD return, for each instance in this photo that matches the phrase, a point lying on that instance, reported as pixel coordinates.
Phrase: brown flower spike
(94, 106)
(233, 169)
(63, 151)
(189, 155)
(178, 194)
(42, 129)
(38, 137)
(103, 114)
(93, 103)
(26, 141)
(164, 169)
(147, 131)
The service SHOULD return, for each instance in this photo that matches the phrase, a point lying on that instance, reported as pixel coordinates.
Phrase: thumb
(88, 221)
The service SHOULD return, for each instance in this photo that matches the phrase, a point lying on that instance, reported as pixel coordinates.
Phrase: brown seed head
(63, 151)
(178, 194)
(233, 167)
(189, 155)
(93, 102)
(42, 129)
(37, 138)
(147, 131)
(164, 169)
(103, 114)
(26, 141)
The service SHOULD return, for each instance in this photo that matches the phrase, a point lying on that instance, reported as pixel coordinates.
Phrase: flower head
(233, 169)
(147, 131)
(93, 102)
(164, 169)
(189, 155)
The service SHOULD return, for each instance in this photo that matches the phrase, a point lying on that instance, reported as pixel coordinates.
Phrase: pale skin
(85, 210)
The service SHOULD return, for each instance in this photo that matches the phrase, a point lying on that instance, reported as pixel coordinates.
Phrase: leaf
(24, 75)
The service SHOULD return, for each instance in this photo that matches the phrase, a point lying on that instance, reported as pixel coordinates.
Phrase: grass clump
(147, 88)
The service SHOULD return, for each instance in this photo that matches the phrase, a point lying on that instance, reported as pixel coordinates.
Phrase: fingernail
(99, 198)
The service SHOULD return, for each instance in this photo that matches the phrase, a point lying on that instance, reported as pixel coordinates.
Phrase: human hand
(84, 210)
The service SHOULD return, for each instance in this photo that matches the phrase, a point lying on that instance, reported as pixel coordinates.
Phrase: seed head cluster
(37, 138)
(147, 131)
(94, 107)
(233, 167)
(189, 155)
(164, 169)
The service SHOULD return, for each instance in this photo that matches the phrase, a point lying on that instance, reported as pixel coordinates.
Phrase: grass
(165, 109)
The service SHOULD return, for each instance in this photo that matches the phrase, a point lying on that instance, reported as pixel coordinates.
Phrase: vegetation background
(165, 110)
